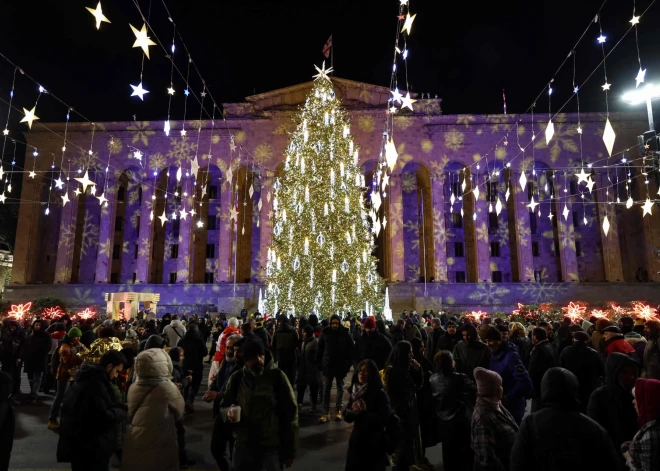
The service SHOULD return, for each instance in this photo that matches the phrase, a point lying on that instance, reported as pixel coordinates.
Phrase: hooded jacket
(469, 356)
(597, 342)
(37, 346)
(335, 351)
(175, 331)
(194, 351)
(285, 341)
(645, 447)
(541, 359)
(515, 380)
(12, 343)
(154, 403)
(652, 353)
(553, 438)
(89, 418)
(373, 346)
(587, 365)
(611, 405)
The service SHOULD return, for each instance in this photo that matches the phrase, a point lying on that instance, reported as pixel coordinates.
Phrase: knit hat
(488, 382)
(614, 329)
(74, 332)
(581, 336)
(369, 323)
(252, 349)
(639, 322)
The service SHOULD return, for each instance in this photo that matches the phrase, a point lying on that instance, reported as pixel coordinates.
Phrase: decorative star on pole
(647, 207)
(407, 102)
(98, 15)
(141, 39)
(139, 91)
(29, 116)
(85, 181)
(582, 176)
(322, 72)
(407, 26)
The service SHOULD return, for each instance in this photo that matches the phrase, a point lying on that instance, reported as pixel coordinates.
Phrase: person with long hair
(402, 378)
(369, 410)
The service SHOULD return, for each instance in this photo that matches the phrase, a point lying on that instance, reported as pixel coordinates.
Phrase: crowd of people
(495, 395)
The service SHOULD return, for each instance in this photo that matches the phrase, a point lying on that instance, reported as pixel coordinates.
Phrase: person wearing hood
(586, 364)
(7, 419)
(308, 372)
(611, 404)
(164, 322)
(541, 359)
(88, 336)
(411, 330)
(553, 438)
(131, 340)
(154, 404)
(493, 428)
(597, 342)
(260, 403)
(285, 343)
(397, 332)
(12, 344)
(313, 320)
(643, 453)
(334, 358)
(90, 416)
(174, 331)
(516, 382)
(372, 345)
(614, 341)
(151, 328)
(637, 342)
(195, 348)
(652, 352)
(450, 339)
(35, 355)
(471, 352)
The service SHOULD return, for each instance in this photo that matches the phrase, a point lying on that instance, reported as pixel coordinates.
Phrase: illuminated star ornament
(322, 72)
(139, 91)
(635, 20)
(65, 199)
(183, 214)
(3, 197)
(32, 174)
(19, 310)
(170, 91)
(601, 39)
(407, 102)
(532, 204)
(163, 218)
(194, 167)
(590, 183)
(98, 15)
(606, 86)
(29, 116)
(141, 39)
(640, 76)
(102, 199)
(574, 310)
(59, 183)
(85, 181)
(396, 96)
(233, 214)
(166, 127)
(407, 26)
(647, 207)
(582, 176)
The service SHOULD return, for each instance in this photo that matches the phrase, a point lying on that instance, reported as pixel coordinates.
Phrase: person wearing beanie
(643, 453)
(597, 342)
(266, 435)
(615, 342)
(334, 358)
(652, 352)
(372, 345)
(516, 383)
(586, 364)
(65, 362)
(553, 438)
(471, 352)
(493, 428)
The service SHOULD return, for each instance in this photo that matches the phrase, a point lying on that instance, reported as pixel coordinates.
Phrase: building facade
(485, 252)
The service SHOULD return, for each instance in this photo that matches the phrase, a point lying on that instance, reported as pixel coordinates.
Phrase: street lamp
(646, 94)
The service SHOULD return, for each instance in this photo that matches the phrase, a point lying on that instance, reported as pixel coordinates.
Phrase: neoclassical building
(441, 245)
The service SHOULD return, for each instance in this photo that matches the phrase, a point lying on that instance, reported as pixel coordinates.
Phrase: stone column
(439, 230)
(145, 244)
(651, 229)
(523, 234)
(265, 224)
(27, 231)
(225, 234)
(186, 227)
(610, 242)
(67, 239)
(483, 243)
(396, 228)
(106, 235)
(566, 233)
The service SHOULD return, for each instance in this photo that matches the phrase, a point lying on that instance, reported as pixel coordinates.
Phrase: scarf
(358, 396)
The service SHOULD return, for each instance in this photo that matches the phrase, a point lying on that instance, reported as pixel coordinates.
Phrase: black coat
(587, 365)
(195, 350)
(397, 334)
(263, 335)
(307, 369)
(374, 346)
(285, 342)
(541, 359)
(89, 418)
(433, 343)
(558, 437)
(524, 345)
(335, 352)
(366, 447)
(37, 346)
(448, 342)
(454, 396)
(12, 344)
(611, 405)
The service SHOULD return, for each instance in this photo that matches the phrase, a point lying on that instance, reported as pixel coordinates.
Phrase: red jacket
(618, 344)
(228, 332)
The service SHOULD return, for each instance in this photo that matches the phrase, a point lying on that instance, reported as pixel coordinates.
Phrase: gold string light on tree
(320, 259)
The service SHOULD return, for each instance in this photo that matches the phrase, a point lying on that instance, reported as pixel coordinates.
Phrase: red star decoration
(574, 311)
(401, 17)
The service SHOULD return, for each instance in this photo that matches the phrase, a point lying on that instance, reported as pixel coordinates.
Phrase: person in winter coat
(516, 382)
(174, 331)
(454, 396)
(518, 337)
(434, 339)
(541, 359)
(308, 373)
(597, 342)
(196, 350)
(615, 342)
(424, 399)
(369, 410)
(231, 329)
(181, 380)
(154, 405)
(12, 344)
(313, 320)
(88, 335)
(553, 438)
(637, 342)
(261, 332)
(611, 405)
(334, 358)
(652, 352)
(411, 330)
(285, 342)
(643, 453)
(90, 416)
(7, 420)
(470, 353)
(266, 433)
(450, 339)
(35, 354)
(397, 332)
(493, 429)
(164, 322)
(372, 345)
(586, 364)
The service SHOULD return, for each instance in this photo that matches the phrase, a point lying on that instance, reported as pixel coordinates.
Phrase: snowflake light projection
(574, 310)
(641, 310)
(18, 311)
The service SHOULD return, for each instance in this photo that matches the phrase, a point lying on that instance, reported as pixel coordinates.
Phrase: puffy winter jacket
(174, 331)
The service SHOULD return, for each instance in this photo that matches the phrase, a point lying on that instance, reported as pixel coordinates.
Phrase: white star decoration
(322, 72)
(29, 116)
(590, 184)
(407, 26)
(170, 91)
(233, 214)
(183, 214)
(601, 39)
(532, 204)
(98, 15)
(565, 212)
(58, 182)
(635, 20)
(139, 91)
(582, 176)
(166, 127)
(640, 76)
(183, 132)
(647, 207)
(396, 96)
(85, 181)
(194, 167)
(102, 199)
(2, 197)
(141, 39)
(391, 154)
(407, 102)
(606, 225)
(65, 198)
(163, 218)
(606, 86)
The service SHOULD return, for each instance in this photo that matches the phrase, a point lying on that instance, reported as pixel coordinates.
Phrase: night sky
(466, 53)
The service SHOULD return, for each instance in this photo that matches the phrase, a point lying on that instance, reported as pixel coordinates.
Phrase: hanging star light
(407, 102)
(166, 127)
(507, 194)
(102, 199)
(634, 20)
(640, 76)
(601, 39)
(170, 91)
(139, 91)
(186, 91)
(647, 207)
(606, 225)
(498, 206)
(163, 218)
(582, 176)
(141, 39)
(29, 116)
(85, 181)
(609, 136)
(194, 167)
(65, 198)
(391, 154)
(396, 96)
(590, 184)
(230, 175)
(98, 15)
(183, 214)
(523, 181)
(322, 72)
(565, 212)
(532, 204)
(58, 182)
(407, 26)
(606, 86)
(233, 214)
(3, 197)
(183, 132)
(549, 131)
(32, 174)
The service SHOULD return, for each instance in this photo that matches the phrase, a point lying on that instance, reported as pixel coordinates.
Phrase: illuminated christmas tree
(320, 259)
